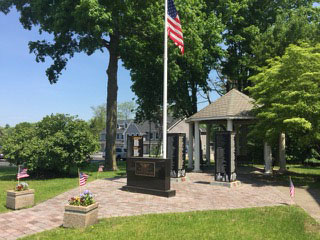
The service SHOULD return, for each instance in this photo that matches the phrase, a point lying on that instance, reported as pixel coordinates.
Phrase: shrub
(52, 146)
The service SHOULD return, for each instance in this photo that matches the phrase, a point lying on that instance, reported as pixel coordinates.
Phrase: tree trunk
(282, 152)
(112, 94)
(194, 99)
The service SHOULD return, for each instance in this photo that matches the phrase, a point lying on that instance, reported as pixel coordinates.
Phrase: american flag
(291, 188)
(100, 168)
(22, 173)
(174, 26)
(82, 179)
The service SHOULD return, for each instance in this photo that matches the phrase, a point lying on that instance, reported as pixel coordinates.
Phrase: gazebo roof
(232, 105)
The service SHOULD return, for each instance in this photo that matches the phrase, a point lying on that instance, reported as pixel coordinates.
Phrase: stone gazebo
(231, 111)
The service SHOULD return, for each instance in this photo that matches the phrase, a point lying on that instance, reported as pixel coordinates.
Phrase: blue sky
(27, 95)
(25, 92)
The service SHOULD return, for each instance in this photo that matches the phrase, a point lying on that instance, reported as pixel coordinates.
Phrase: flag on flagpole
(100, 168)
(22, 173)
(291, 188)
(82, 178)
(174, 26)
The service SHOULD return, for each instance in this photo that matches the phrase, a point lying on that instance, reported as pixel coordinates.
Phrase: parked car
(121, 153)
(1, 156)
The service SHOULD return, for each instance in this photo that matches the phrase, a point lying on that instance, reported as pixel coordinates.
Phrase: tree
(290, 27)
(81, 26)
(142, 54)
(98, 122)
(287, 96)
(54, 145)
(126, 110)
(245, 21)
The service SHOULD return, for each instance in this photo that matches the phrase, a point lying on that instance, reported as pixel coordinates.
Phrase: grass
(301, 175)
(282, 222)
(49, 188)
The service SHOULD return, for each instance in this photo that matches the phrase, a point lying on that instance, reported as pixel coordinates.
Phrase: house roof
(146, 126)
(232, 105)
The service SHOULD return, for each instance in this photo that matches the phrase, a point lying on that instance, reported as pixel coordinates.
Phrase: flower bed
(81, 211)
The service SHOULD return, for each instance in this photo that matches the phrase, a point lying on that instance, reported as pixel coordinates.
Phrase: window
(157, 135)
(151, 136)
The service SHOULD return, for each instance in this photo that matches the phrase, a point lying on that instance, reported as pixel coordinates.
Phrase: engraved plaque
(145, 169)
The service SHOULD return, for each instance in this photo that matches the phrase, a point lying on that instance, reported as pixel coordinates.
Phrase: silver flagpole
(165, 80)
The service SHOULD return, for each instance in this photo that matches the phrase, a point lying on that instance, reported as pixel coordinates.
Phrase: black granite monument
(150, 176)
(225, 156)
(177, 152)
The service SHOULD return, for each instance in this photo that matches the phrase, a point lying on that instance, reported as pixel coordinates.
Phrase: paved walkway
(194, 194)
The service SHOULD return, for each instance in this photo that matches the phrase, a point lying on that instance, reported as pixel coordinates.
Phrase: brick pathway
(194, 194)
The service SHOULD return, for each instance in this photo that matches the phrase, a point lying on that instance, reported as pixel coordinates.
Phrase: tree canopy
(142, 54)
(81, 26)
(245, 21)
(288, 97)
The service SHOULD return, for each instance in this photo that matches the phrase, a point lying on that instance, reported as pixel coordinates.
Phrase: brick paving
(193, 194)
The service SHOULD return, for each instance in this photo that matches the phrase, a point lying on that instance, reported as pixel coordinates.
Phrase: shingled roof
(232, 105)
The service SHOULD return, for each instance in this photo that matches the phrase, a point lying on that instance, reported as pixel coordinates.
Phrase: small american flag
(291, 188)
(100, 168)
(82, 179)
(22, 173)
(174, 26)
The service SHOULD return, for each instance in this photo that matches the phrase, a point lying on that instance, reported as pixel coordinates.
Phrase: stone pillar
(229, 125)
(190, 147)
(282, 152)
(267, 158)
(197, 148)
(208, 144)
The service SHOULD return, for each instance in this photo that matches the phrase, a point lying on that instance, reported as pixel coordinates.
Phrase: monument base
(161, 193)
(227, 184)
(179, 179)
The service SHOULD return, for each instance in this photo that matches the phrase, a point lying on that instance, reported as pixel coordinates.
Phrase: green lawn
(301, 175)
(282, 222)
(48, 188)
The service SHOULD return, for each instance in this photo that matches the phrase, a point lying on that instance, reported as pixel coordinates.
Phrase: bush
(52, 146)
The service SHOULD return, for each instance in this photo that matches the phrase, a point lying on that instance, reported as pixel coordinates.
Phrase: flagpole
(79, 182)
(18, 174)
(165, 80)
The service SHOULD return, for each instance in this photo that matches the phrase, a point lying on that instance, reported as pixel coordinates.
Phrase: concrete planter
(20, 199)
(79, 216)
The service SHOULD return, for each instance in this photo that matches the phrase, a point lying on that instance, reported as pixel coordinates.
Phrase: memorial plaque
(145, 169)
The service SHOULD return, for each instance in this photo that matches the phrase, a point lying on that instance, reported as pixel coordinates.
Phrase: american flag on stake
(22, 173)
(82, 178)
(174, 26)
(291, 188)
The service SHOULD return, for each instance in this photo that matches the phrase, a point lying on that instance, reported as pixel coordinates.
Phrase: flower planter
(20, 199)
(79, 216)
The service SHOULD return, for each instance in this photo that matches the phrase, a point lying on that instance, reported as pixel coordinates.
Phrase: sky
(25, 92)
